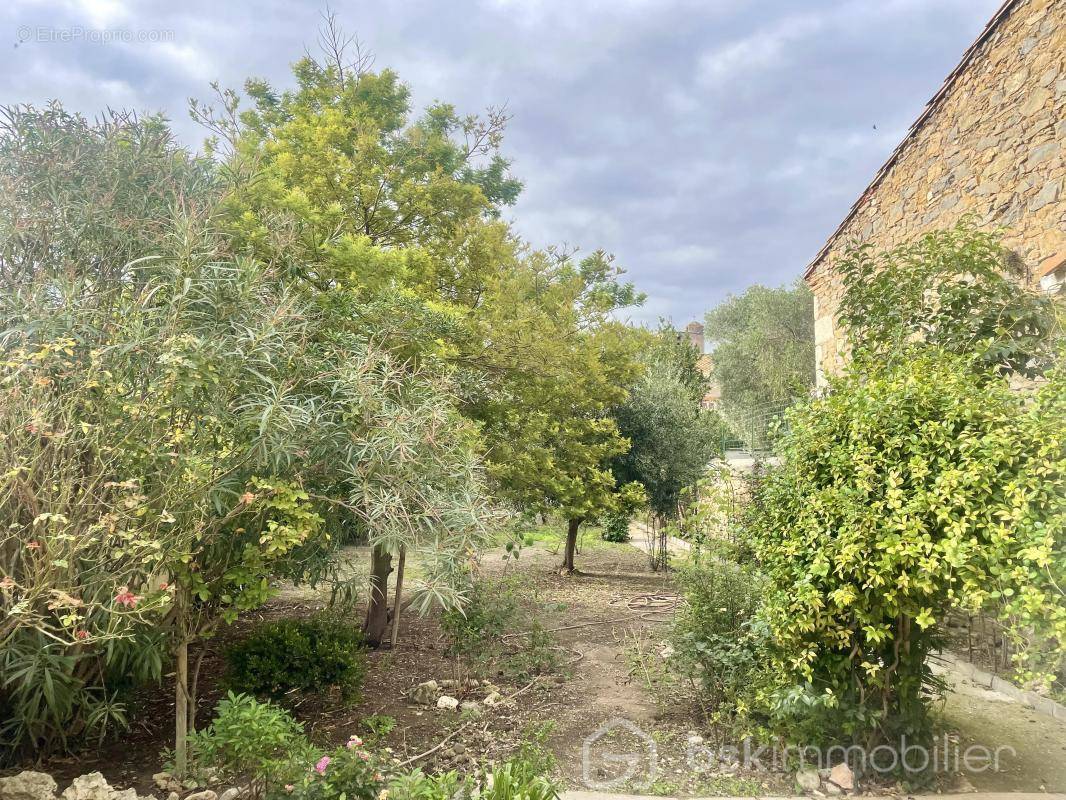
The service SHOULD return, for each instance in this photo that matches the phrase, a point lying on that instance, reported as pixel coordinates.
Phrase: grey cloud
(709, 145)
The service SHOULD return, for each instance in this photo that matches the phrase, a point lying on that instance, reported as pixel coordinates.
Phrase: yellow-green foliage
(912, 487)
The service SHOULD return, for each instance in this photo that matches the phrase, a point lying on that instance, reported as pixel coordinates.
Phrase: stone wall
(991, 145)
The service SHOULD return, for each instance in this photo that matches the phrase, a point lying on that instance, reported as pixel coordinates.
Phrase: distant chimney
(694, 330)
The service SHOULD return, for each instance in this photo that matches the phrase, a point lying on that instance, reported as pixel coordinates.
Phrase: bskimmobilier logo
(604, 768)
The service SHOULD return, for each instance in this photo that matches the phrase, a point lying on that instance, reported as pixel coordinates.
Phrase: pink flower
(127, 598)
(82, 634)
(323, 762)
(247, 498)
(33, 545)
(353, 742)
(364, 755)
(289, 787)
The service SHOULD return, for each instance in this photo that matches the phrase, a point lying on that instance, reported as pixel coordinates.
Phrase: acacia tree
(393, 220)
(551, 435)
(372, 214)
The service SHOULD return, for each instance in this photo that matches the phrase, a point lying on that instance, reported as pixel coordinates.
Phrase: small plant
(496, 630)
(518, 780)
(251, 740)
(345, 773)
(534, 750)
(417, 785)
(475, 631)
(379, 726)
(298, 654)
(717, 638)
(536, 654)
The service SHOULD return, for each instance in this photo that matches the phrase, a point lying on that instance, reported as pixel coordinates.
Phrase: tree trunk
(397, 605)
(181, 707)
(194, 688)
(661, 559)
(571, 543)
(377, 609)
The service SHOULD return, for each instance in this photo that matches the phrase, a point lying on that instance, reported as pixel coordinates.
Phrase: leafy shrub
(298, 654)
(417, 785)
(616, 528)
(249, 739)
(717, 638)
(513, 780)
(959, 290)
(490, 611)
(55, 696)
(914, 486)
(379, 726)
(534, 750)
(495, 609)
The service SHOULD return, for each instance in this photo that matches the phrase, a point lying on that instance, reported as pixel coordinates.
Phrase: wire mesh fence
(755, 428)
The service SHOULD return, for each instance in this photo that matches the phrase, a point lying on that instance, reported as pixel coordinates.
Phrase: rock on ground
(28, 785)
(841, 776)
(95, 787)
(425, 693)
(470, 707)
(89, 787)
(807, 780)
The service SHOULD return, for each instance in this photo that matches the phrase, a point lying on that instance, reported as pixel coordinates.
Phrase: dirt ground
(1034, 758)
(596, 713)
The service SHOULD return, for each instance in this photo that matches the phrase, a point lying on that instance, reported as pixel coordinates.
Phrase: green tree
(672, 439)
(337, 183)
(921, 483)
(547, 421)
(763, 348)
(386, 221)
(395, 221)
(183, 435)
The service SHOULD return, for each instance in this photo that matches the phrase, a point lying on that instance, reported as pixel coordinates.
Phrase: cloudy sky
(709, 144)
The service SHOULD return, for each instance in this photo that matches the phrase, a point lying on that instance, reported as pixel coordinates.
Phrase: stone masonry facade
(991, 144)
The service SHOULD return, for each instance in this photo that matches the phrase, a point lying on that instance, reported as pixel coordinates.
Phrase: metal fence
(755, 429)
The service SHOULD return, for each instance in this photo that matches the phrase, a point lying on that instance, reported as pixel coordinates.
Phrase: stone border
(1037, 702)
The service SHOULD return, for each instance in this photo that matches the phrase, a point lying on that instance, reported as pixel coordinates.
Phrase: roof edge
(930, 107)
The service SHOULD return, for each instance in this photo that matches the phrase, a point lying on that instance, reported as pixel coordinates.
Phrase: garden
(318, 482)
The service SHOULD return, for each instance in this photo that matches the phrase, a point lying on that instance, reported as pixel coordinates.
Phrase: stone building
(990, 144)
(694, 331)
